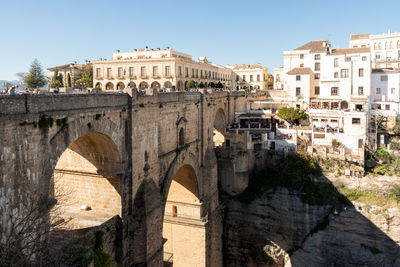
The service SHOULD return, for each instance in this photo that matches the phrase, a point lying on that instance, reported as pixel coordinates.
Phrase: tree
(35, 77)
(55, 80)
(87, 77)
(191, 84)
(335, 143)
(292, 115)
(219, 85)
(7, 85)
(68, 80)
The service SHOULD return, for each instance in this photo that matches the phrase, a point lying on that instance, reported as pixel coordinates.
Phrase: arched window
(386, 45)
(379, 46)
(398, 44)
(391, 45)
(375, 46)
(181, 137)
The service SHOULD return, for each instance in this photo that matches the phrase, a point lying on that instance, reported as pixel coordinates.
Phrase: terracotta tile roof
(344, 51)
(316, 46)
(300, 71)
(359, 36)
(253, 66)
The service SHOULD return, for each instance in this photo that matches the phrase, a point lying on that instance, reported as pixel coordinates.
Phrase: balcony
(110, 78)
(99, 78)
(144, 77)
(133, 77)
(156, 77)
(169, 76)
(121, 77)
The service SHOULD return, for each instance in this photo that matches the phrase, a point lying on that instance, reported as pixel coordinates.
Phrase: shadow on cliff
(291, 212)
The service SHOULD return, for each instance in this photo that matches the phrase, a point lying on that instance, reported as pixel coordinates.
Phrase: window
(180, 71)
(167, 70)
(392, 91)
(348, 59)
(317, 66)
(386, 45)
(387, 107)
(378, 91)
(142, 71)
(379, 46)
(389, 55)
(192, 73)
(377, 55)
(298, 78)
(98, 72)
(334, 91)
(360, 143)
(398, 44)
(186, 72)
(317, 56)
(344, 73)
(258, 77)
(364, 58)
(251, 78)
(355, 120)
(316, 90)
(336, 62)
(336, 74)
(120, 73)
(197, 73)
(360, 72)
(109, 72)
(155, 71)
(360, 90)
(237, 77)
(301, 56)
(244, 77)
(174, 211)
(298, 91)
(181, 137)
(316, 76)
(384, 78)
(301, 65)
(131, 69)
(201, 75)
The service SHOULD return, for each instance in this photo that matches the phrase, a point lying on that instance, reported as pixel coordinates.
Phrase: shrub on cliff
(298, 172)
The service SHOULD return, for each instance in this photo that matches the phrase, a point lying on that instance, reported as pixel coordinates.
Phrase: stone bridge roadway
(149, 159)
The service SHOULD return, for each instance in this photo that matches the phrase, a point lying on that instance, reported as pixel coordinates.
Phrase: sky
(226, 32)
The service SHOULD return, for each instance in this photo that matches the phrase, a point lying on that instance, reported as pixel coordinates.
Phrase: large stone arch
(184, 225)
(219, 127)
(86, 182)
(155, 85)
(145, 226)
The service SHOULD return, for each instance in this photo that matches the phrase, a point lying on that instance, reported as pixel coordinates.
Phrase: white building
(333, 86)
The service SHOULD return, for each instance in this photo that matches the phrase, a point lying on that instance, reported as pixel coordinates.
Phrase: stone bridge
(149, 159)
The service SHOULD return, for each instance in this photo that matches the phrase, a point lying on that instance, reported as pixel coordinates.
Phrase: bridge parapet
(34, 104)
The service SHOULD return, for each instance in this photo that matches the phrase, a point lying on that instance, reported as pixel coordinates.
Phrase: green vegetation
(63, 123)
(292, 115)
(68, 80)
(87, 78)
(101, 259)
(191, 84)
(383, 163)
(298, 172)
(46, 121)
(335, 143)
(35, 77)
(56, 80)
(372, 197)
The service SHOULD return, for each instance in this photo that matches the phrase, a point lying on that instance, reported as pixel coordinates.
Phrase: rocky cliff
(278, 229)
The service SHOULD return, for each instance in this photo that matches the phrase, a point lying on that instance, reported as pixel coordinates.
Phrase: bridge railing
(41, 103)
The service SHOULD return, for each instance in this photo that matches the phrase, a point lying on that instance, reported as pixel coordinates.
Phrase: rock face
(265, 231)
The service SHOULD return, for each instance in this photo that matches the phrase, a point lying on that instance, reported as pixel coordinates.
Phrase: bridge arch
(86, 182)
(219, 127)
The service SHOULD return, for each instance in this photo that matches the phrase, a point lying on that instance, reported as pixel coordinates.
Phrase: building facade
(250, 76)
(164, 70)
(72, 72)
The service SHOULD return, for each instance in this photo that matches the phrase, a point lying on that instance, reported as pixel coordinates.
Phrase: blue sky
(227, 32)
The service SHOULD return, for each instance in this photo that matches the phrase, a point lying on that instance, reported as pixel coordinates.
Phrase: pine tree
(87, 77)
(68, 80)
(35, 77)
